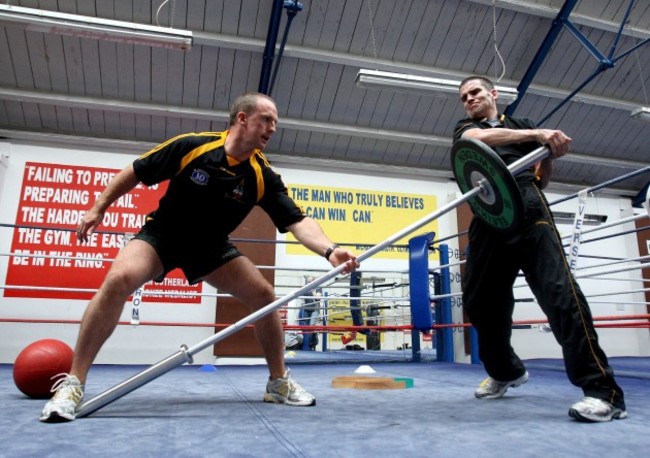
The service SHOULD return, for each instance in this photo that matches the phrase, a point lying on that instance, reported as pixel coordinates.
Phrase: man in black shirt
(494, 260)
(215, 179)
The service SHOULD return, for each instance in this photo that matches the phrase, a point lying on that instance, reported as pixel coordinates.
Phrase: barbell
(490, 189)
(499, 203)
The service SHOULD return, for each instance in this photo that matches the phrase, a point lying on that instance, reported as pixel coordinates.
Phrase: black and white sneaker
(593, 409)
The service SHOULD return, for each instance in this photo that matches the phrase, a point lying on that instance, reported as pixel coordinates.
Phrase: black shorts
(195, 258)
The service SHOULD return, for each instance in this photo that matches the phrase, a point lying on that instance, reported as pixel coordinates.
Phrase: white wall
(4, 164)
(146, 345)
(615, 341)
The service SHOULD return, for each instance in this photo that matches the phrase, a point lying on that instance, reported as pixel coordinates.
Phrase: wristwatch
(330, 250)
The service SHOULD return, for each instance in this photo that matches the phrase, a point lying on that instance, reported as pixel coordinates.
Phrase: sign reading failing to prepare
(47, 255)
(363, 218)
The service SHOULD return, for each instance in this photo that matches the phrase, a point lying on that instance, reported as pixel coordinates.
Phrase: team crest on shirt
(200, 177)
(237, 193)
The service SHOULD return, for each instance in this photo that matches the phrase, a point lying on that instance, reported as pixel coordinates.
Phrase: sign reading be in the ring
(53, 199)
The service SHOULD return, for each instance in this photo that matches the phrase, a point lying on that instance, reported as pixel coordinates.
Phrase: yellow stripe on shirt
(258, 172)
(196, 152)
(162, 145)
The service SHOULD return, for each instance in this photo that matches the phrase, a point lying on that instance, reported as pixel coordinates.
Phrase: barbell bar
(468, 151)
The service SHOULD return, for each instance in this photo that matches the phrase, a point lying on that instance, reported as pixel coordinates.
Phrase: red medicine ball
(38, 363)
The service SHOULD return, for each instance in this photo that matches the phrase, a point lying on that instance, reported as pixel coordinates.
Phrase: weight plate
(499, 204)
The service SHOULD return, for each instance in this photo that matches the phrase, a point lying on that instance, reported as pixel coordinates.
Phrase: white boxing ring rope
(619, 261)
(621, 269)
(603, 272)
(600, 227)
(186, 294)
(621, 293)
(638, 280)
(619, 302)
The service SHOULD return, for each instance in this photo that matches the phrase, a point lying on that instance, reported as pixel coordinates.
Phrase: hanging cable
(372, 31)
(171, 13)
(638, 62)
(497, 54)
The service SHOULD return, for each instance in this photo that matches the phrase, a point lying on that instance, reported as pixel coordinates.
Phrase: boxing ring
(392, 321)
(417, 298)
(196, 413)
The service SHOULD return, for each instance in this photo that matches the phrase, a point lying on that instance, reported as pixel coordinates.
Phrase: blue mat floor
(190, 412)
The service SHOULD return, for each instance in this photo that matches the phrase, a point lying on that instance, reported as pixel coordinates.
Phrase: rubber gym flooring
(217, 411)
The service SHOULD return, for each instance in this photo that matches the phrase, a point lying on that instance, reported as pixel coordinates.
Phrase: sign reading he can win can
(362, 217)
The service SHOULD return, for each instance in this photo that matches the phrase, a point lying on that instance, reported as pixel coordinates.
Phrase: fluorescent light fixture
(376, 79)
(95, 28)
(641, 113)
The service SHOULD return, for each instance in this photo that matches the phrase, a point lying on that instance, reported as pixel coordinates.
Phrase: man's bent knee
(264, 297)
(118, 285)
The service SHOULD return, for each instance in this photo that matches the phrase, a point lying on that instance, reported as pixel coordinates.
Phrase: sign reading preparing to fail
(47, 255)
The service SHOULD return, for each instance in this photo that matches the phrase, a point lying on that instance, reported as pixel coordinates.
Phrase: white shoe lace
(64, 390)
(57, 385)
(294, 386)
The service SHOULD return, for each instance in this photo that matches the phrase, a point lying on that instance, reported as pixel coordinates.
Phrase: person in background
(309, 314)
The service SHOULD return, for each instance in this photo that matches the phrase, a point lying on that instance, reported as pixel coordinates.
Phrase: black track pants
(493, 263)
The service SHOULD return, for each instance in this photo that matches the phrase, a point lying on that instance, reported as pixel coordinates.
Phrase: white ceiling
(71, 90)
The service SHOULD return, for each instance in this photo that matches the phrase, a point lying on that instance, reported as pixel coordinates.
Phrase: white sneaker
(286, 391)
(593, 409)
(493, 389)
(68, 393)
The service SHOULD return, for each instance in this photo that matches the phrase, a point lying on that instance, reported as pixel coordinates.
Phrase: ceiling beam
(279, 159)
(150, 109)
(95, 103)
(328, 56)
(353, 60)
(539, 10)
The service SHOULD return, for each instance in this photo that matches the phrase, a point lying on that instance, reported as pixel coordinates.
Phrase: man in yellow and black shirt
(209, 195)
(215, 180)
(494, 260)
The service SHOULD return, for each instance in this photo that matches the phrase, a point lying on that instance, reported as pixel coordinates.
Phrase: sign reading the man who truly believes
(362, 217)
(48, 256)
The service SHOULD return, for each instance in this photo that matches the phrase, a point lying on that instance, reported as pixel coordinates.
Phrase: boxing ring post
(419, 297)
(445, 307)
